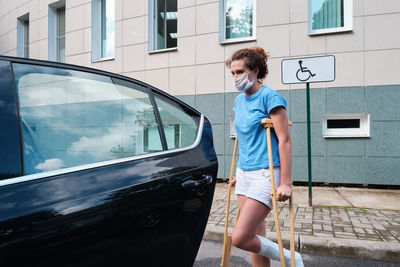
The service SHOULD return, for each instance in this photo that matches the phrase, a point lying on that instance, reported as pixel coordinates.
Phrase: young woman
(253, 189)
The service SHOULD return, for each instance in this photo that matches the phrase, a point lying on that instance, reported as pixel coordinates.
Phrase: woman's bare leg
(250, 223)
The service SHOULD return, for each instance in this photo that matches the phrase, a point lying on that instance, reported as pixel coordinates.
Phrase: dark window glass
(344, 123)
(166, 16)
(26, 38)
(61, 34)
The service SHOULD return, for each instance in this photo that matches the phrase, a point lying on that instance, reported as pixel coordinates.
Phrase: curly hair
(254, 58)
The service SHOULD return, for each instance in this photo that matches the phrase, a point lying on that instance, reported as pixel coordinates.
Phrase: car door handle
(190, 184)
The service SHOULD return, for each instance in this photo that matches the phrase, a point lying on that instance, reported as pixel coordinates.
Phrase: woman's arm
(281, 127)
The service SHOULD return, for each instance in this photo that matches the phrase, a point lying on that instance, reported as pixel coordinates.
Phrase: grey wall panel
(345, 100)
(299, 169)
(221, 166)
(212, 105)
(318, 143)
(228, 101)
(299, 139)
(219, 144)
(347, 170)
(382, 170)
(383, 102)
(298, 106)
(385, 139)
(318, 165)
(188, 99)
(345, 147)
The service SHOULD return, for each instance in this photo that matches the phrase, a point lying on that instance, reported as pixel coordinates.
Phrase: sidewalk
(348, 222)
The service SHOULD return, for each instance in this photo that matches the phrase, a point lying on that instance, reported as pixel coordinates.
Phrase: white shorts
(256, 184)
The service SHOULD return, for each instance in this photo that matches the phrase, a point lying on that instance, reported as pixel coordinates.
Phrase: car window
(70, 118)
(180, 125)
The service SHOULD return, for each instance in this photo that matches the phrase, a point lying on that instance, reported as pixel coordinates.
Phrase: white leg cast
(271, 250)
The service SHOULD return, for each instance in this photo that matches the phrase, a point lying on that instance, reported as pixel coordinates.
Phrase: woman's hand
(283, 192)
(233, 181)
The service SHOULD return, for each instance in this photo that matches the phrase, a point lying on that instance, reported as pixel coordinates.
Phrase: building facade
(181, 46)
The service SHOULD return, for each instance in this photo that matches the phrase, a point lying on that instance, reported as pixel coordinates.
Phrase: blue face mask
(242, 83)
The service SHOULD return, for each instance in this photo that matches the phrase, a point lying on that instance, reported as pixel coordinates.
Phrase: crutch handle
(267, 122)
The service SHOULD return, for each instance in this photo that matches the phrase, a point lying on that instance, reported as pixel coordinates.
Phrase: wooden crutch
(226, 249)
(267, 123)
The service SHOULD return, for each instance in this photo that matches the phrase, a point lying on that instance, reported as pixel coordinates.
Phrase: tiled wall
(366, 56)
(373, 160)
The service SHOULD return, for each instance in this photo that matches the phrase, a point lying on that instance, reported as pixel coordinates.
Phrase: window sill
(237, 40)
(327, 31)
(163, 50)
(103, 59)
(333, 136)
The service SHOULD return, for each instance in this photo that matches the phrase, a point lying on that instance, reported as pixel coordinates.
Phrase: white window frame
(22, 23)
(53, 33)
(151, 30)
(348, 19)
(96, 33)
(222, 25)
(363, 131)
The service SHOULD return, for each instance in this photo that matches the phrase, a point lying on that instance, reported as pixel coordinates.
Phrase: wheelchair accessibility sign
(308, 70)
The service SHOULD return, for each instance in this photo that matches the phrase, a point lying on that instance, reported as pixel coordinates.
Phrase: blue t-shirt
(249, 112)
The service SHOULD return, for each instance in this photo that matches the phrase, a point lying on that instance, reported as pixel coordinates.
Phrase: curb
(361, 249)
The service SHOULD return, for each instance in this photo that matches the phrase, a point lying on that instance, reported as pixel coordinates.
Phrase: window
(327, 16)
(23, 36)
(70, 118)
(346, 125)
(61, 34)
(103, 29)
(57, 31)
(163, 24)
(180, 127)
(237, 20)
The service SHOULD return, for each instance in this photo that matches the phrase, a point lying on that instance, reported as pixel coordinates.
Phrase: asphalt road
(210, 255)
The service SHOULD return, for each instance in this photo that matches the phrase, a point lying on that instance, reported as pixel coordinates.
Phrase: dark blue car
(97, 169)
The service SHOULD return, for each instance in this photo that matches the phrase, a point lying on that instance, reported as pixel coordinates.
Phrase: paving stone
(370, 231)
(364, 220)
(317, 217)
(379, 226)
(389, 212)
(348, 229)
(363, 225)
(317, 226)
(359, 230)
(338, 228)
